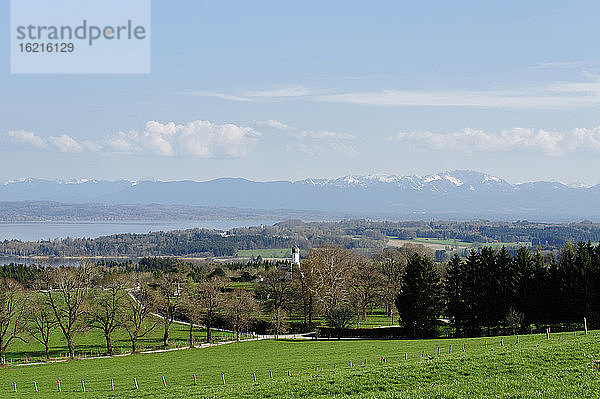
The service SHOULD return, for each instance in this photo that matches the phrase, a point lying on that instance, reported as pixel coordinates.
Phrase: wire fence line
(254, 376)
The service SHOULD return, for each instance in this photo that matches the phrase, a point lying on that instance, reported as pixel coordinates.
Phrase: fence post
(35, 385)
(83, 385)
(501, 341)
(15, 386)
(405, 356)
(164, 382)
(58, 385)
(135, 382)
(585, 325)
(223, 378)
(254, 376)
(270, 374)
(112, 384)
(195, 382)
(450, 349)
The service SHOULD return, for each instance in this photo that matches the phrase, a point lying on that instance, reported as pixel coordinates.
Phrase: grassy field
(437, 243)
(92, 343)
(564, 366)
(265, 253)
(377, 318)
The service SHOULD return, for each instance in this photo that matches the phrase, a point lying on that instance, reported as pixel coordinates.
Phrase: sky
(272, 90)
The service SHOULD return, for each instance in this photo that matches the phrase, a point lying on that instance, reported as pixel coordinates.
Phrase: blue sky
(272, 90)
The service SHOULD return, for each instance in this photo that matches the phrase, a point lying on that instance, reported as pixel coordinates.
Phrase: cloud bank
(555, 95)
(63, 143)
(472, 140)
(201, 139)
(322, 143)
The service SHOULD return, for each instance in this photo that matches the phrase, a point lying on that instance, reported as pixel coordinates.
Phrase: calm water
(34, 231)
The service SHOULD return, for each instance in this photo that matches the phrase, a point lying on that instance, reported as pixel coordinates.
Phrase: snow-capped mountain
(451, 194)
(441, 182)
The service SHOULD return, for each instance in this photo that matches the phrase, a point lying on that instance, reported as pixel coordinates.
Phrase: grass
(245, 285)
(438, 243)
(376, 318)
(92, 342)
(265, 253)
(564, 366)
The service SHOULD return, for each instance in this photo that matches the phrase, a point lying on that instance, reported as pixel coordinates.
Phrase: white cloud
(557, 98)
(22, 136)
(471, 140)
(65, 143)
(325, 135)
(198, 139)
(222, 96)
(556, 95)
(122, 142)
(323, 142)
(558, 65)
(277, 94)
(273, 124)
(292, 91)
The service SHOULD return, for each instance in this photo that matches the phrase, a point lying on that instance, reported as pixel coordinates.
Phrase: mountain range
(458, 194)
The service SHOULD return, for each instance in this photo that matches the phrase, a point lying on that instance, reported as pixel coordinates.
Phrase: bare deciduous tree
(136, 318)
(275, 289)
(67, 294)
(332, 268)
(278, 322)
(192, 309)
(514, 319)
(41, 323)
(209, 297)
(240, 308)
(304, 289)
(12, 314)
(392, 264)
(168, 300)
(365, 284)
(105, 306)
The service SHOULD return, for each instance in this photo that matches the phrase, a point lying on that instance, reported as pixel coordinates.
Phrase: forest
(369, 235)
(331, 291)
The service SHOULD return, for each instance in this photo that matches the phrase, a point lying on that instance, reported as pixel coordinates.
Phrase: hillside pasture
(566, 365)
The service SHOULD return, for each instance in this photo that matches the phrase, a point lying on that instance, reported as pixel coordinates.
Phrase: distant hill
(459, 194)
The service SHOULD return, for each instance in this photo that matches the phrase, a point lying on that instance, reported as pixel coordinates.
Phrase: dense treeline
(24, 274)
(350, 234)
(201, 242)
(544, 235)
(195, 242)
(490, 288)
(488, 292)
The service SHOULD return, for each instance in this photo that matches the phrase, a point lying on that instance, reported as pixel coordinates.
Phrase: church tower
(295, 258)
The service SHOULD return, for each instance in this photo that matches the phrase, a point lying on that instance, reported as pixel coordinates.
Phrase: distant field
(435, 243)
(265, 253)
(565, 366)
(92, 343)
(377, 318)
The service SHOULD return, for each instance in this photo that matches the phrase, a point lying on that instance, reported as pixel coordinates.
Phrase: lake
(35, 231)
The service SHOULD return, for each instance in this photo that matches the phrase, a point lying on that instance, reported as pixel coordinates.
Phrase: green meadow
(265, 253)
(563, 366)
(92, 343)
